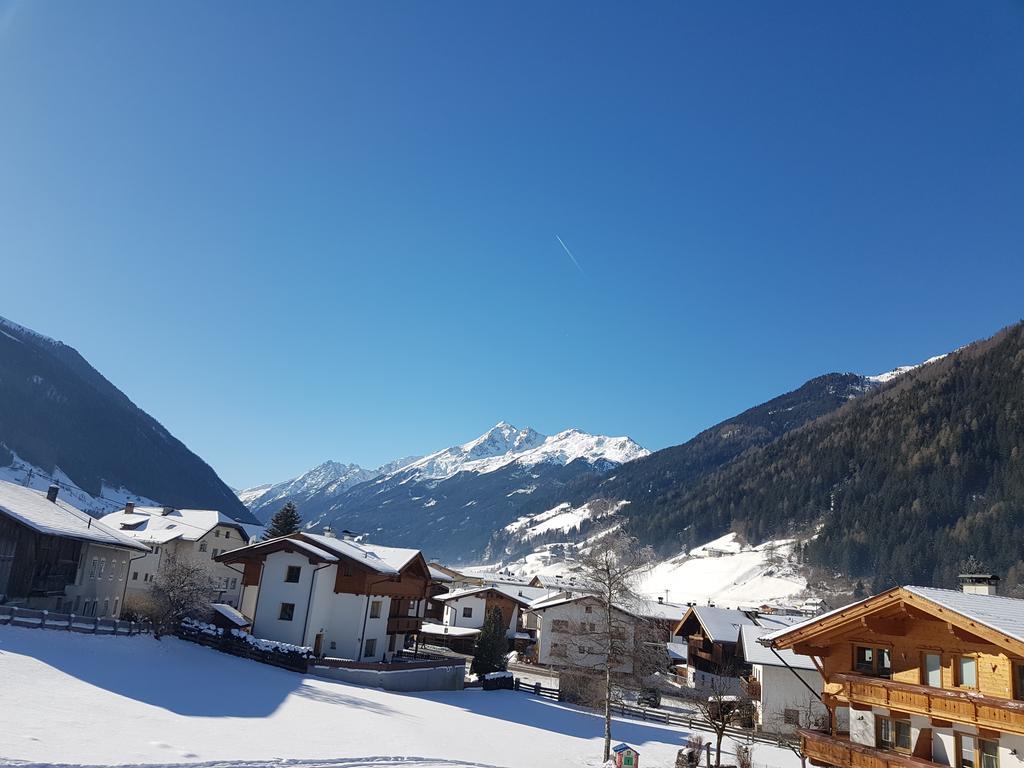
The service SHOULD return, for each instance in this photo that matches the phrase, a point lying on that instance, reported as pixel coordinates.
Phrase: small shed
(625, 756)
(227, 617)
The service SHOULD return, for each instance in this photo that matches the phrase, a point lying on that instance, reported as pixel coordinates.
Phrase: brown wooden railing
(400, 625)
(942, 704)
(823, 749)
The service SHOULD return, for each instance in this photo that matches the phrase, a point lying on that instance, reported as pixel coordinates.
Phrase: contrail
(570, 255)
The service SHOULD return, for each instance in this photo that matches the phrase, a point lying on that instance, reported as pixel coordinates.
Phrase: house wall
(453, 612)
(99, 585)
(274, 591)
(559, 645)
(782, 689)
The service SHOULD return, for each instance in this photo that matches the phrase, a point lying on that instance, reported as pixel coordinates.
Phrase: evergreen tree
(285, 521)
(491, 649)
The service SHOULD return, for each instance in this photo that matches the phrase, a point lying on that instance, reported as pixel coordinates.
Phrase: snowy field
(84, 700)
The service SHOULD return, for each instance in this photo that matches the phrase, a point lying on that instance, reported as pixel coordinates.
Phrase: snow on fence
(70, 622)
(239, 643)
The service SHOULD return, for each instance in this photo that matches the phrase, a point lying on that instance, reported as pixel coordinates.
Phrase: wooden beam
(941, 723)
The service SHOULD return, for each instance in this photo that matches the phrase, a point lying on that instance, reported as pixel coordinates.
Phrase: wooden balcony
(402, 625)
(961, 706)
(822, 749)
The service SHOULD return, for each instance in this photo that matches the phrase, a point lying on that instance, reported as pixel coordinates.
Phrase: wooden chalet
(917, 677)
(344, 598)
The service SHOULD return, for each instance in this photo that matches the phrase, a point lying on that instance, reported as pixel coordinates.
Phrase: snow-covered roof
(231, 614)
(57, 518)
(677, 651)
(441, 629)
(721, 624)
(438, 575)
(521, 594)
(755, 653)
(658, 609)
(389, 560)
(157, 526)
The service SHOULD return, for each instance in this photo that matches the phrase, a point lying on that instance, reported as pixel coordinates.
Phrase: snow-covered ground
(86, 700)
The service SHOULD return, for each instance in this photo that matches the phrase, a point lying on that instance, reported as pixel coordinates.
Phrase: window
(467, 612)
(217, 533)
(588, 609)
(932, 670)
(791, 716)
(292, 576)
(583, 650)
(106, 607)
(234, 583)
(227, 534)
(370, 647)
(135, 575)
(202, 546)
(346, 569)
(287, 611)
(334, 645)
(375, 609)
(988, 753)
(117, 604)
(872, 661)
(122, 571)
(893, 734)
(92, 570)
(156, 550)
(965, 754)
(103, 567)
(1018, 679)
(966, 672)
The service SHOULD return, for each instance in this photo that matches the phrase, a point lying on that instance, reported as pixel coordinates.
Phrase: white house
(56, 557)
(468, 608)
(785, 686)
(569, 628)
(344, 598)
(196, 534)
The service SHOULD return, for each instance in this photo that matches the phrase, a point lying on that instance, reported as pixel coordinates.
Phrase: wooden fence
(237, 646)
(652, 715)
(70, 622)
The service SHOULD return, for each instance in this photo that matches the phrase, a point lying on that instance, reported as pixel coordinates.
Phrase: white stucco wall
(453, 612)
(274, 591)
(782, 689)
(93, 594)
(573, 613)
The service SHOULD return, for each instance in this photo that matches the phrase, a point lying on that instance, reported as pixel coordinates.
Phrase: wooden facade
(34, 564)
(919, 664)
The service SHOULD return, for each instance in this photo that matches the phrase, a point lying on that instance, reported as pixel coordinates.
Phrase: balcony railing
(942, 704)
(823, 749)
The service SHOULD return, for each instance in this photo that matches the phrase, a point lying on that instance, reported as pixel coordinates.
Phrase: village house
(785, 687)
(344, 598)
(712, 637)
(171, 534)
(917, 677)
(56, 557)
(564, 622)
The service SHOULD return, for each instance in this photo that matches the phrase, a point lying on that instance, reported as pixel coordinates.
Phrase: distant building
(196, 534)
(56, 557)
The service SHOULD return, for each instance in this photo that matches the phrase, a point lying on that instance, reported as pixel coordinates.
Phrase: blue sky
(294, 232)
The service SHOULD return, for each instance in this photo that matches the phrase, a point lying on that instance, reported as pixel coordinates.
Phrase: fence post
(95, 624)
(536, 690)
(71, 620)
(14, 612)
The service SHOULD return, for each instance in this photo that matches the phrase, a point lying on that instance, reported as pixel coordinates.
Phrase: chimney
(328, 532)
(348, 535)
(979, 583)
(166, 511)
(129, 507)
(661, 600)
(51, 493)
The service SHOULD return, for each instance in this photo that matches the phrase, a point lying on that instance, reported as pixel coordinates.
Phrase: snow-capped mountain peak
(504, 444)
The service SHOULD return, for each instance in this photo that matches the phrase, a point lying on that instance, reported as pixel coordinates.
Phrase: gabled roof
(563, 598)
(721, 625)
(158, 526)
(753, 652)
(623, 747)
(57, 518)
(436, 574)
(996, 619)
(522, 595)
(385, 560)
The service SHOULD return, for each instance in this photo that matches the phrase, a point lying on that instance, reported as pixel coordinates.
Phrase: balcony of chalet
(940, 704)
(403, 625)
(823, 749)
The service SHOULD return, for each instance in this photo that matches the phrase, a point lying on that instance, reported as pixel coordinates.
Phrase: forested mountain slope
(900, 485)
(57, 411)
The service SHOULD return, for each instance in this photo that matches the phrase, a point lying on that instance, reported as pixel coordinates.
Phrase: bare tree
(182, 588)
(721, 700)
(806, 712)
(610, 646)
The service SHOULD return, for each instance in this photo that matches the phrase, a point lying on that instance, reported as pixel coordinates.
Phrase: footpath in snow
(71, 699)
